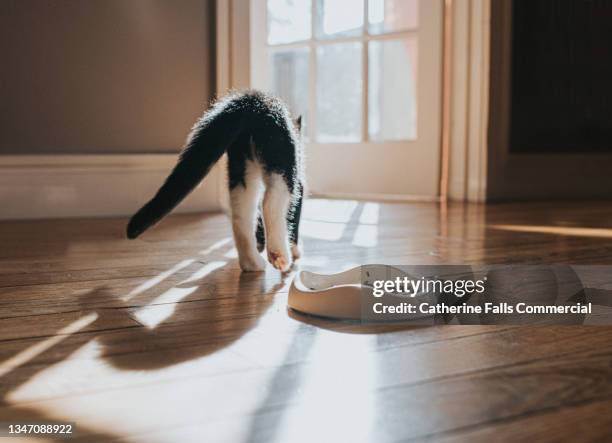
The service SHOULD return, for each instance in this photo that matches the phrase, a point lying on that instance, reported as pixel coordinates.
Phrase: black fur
(232, 125)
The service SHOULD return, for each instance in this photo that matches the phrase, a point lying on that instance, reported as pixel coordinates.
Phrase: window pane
(339, 18)
(392, 15)
(288, 21)
(289, 80)
(339, 86)
(392, 80)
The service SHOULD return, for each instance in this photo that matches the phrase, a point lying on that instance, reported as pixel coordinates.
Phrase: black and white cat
(265, 173)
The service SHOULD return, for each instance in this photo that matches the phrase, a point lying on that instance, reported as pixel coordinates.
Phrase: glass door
(365, 75)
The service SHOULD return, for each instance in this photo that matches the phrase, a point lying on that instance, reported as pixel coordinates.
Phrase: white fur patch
(276, 203)
(245, 204)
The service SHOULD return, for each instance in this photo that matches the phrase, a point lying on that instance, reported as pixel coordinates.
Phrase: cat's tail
(210, 138)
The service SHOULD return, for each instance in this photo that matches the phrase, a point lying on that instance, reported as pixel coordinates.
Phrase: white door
(366, 77)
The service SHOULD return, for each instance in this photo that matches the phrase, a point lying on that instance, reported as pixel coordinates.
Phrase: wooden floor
(162, 339)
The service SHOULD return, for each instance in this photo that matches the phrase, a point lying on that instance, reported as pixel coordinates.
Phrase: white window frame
(312, 43)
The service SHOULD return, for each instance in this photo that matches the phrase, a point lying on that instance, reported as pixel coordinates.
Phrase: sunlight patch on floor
(42, 346)
(557, 230)
(366, 236)
(216, 245)
(312, 260)
(231, 253)
(331, 211)
(88, 389)
(148, 284)
(322, 230)
(346, 383)
(101, 398)
(203, 272)
(370, 214)
(162, 307)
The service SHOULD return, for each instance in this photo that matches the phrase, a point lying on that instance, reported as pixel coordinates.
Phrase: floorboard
(163, 339)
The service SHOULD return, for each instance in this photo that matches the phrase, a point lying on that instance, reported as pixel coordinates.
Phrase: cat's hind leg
(276, 203)
(245, 203)
(293, 219)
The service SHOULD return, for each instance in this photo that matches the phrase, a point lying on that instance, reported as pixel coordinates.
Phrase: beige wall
(103, 76)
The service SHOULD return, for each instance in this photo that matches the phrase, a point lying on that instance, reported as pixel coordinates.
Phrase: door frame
(468, 64)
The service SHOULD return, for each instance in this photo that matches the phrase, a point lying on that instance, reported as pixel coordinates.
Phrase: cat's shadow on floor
(221, 308)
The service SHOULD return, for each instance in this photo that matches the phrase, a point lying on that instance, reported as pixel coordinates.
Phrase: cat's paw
(296, 251)
(279, 259)
(253, 264)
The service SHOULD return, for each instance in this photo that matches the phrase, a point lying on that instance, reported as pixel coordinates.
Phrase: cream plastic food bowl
(344, 296)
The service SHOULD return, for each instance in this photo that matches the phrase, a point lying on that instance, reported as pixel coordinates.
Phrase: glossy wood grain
(163, 339)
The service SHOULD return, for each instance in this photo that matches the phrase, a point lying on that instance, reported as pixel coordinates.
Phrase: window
(349, 67)
(366, 77)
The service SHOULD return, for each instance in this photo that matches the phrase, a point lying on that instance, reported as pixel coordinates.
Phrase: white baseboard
(57, 186)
